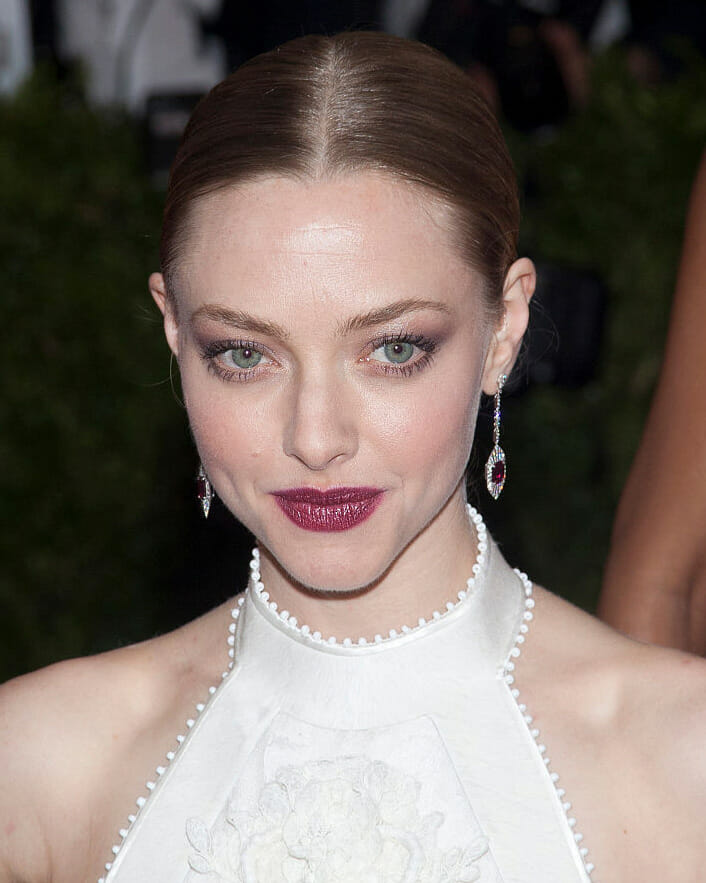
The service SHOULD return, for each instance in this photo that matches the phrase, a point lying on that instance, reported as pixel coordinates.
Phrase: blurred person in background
(654, 585)
(530, 59)
(661, 36)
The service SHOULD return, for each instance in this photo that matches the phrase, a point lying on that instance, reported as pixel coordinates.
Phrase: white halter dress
(408, 759)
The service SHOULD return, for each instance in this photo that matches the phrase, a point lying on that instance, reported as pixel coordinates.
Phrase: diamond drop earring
(204, 491)
(496, 465)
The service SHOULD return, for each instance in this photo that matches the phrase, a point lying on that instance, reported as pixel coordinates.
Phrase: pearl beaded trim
(180, 739)
(506, 673)
(316, 638)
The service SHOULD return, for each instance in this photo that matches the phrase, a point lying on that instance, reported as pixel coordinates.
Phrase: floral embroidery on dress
(345, 820)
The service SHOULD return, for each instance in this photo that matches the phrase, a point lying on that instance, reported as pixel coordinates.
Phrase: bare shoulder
(71, 729)
(54, 727)
(666, 703)
(634, 680)
(626, 723)
(625, 686)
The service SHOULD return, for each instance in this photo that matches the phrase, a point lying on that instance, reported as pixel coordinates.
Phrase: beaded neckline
(285, 621)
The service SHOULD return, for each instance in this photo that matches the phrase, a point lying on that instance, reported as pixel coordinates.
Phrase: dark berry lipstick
(338, 508)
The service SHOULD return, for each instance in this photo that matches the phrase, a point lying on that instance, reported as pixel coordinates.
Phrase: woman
(339, 285)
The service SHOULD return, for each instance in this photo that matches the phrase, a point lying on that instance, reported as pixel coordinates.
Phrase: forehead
(350, 241)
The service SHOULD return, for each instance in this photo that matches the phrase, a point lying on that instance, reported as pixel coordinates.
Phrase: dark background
(101, 541)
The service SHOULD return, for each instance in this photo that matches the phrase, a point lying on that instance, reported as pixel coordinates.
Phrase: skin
(624, 721)
(654, 585)
(322, 409)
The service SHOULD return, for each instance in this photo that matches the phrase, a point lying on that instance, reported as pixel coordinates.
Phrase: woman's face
(330, 338)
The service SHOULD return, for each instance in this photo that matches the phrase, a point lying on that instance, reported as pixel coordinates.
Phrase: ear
(167, 307)
(507, 336)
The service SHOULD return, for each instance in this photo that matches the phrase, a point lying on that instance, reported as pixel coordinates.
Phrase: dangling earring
(204, 491)
(496, 467)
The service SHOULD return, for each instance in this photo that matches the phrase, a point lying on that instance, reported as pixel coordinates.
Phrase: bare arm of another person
(655, 579)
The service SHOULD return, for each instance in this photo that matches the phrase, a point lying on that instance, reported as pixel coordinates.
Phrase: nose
(322, 425)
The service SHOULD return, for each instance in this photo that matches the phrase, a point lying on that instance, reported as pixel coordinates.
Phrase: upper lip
(334, 496)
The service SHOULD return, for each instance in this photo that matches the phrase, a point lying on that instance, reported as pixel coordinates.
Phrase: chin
(320, 568)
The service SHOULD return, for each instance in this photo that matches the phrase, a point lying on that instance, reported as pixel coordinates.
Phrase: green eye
(398, 351)
(245, 357)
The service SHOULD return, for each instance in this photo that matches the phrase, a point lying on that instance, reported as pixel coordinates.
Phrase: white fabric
(132, 49)
(406, 761)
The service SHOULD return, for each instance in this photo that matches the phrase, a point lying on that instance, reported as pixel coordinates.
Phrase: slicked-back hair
(322, 106)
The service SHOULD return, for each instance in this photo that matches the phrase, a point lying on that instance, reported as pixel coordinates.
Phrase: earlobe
(164, 301)
(507, 337)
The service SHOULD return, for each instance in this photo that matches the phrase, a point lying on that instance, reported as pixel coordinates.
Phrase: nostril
(318, 440)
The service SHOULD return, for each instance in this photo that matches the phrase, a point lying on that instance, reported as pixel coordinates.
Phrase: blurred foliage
(608, 192)
(97, 520)
(83, 404)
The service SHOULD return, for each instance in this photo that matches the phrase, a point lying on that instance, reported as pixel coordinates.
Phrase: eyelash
(406, 369)
(211, 351)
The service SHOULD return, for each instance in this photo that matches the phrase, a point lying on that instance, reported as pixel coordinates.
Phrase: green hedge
(609, 193)
(95, 459)
(83, 399)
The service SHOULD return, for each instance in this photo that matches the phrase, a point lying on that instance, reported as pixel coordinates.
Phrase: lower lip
(316, 514)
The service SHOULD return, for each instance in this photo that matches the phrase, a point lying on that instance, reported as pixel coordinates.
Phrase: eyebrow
(390, 312)
(240, 319)
(248, 322)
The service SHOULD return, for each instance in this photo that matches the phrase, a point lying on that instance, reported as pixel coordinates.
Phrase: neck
(426, 577)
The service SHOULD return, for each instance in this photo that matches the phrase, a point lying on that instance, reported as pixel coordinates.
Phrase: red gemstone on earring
(498, 473)
(202, 487)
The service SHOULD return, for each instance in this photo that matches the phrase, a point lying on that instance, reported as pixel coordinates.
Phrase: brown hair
(356, 101)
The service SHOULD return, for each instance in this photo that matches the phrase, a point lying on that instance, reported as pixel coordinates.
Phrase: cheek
(430, 432)
(228, 428)
(422, 429)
